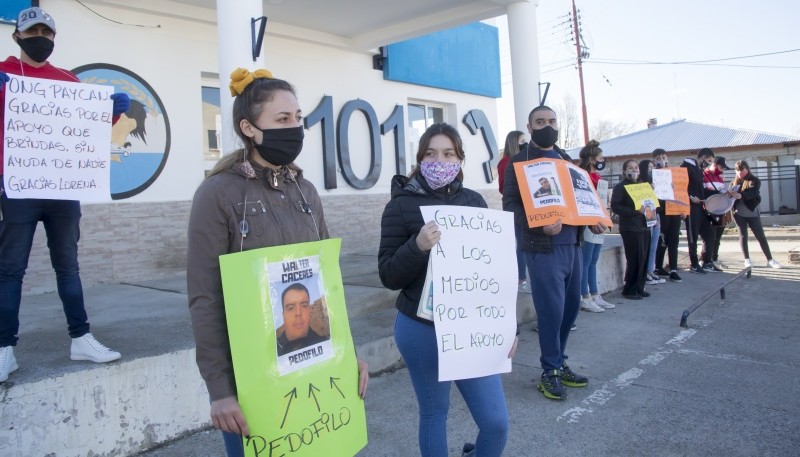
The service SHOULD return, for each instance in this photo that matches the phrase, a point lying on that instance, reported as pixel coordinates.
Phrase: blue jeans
(591, 254)
(233, 444)
(520, 253)
(556, 294)
(655, 232)
(484, 396)
(61, 219)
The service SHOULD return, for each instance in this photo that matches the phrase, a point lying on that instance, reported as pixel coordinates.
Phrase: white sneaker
(587, 304)
(650, 280)
(87, 347)
(599, 301)
(657, 278)
(8, 364)
(774, 263)
(748, 263)
(524, 287)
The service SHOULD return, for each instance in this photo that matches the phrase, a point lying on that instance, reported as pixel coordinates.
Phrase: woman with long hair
(634, 233)
(591, 157)
(406, 243)
(514, 141)
(247, 202)
(746, 213)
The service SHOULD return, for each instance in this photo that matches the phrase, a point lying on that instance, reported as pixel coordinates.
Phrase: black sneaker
(550, 385)
(673, 276)
(632, 296)
(697, 269)
(709, 266)
(571, 379)
(644, 294)
(661, 272)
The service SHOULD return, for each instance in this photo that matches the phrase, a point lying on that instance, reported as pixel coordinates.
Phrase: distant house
(775, 158)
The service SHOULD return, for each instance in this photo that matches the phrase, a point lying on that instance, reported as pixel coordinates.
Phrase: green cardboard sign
(293, 355)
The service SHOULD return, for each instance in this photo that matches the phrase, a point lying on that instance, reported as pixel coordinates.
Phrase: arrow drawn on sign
(292, 395)
(334, 386)
(311, 393)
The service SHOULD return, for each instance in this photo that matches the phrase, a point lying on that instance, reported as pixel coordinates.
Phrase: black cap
(721, 162)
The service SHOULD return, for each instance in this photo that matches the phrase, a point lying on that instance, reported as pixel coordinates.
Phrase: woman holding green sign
(253, 198)
(406, 242)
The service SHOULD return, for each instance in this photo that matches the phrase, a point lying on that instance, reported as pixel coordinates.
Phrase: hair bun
(241, 78)
(593, 143)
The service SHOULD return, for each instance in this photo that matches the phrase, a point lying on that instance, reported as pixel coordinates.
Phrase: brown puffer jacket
(276, 213)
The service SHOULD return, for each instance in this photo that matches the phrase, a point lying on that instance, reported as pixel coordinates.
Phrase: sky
(764, 99)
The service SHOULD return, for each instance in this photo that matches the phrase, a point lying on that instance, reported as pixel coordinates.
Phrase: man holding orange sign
(551, 230)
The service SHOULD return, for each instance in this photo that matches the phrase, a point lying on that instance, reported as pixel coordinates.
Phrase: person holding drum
(714, 183)
(697, 223)
(745, 212)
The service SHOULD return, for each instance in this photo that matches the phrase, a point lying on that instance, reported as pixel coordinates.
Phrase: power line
(687, 62)
(698, 64)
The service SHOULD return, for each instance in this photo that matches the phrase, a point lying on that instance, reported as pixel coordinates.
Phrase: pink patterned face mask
(439, 174)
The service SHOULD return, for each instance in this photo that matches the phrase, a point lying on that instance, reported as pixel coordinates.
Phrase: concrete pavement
(724, 386)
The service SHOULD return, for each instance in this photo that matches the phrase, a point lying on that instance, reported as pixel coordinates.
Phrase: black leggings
(758, 231)
(636, 245)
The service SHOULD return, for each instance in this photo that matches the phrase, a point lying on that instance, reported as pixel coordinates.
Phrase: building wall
(145, 235)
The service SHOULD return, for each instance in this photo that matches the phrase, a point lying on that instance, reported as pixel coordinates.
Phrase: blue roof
(683, 135)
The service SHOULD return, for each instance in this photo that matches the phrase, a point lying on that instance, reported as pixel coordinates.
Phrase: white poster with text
(474, 275)
(56, 140)
(662, 184)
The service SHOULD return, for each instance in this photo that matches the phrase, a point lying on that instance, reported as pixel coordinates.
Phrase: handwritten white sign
(57, 139)
(662, 184)
(474, 276)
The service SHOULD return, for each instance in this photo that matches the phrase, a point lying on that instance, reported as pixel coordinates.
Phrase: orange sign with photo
(680, 188)
(554, 190)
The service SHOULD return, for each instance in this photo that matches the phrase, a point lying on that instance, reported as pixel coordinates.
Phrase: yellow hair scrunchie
(241, 78)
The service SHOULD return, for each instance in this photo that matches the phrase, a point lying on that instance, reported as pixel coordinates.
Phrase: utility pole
(577, 33)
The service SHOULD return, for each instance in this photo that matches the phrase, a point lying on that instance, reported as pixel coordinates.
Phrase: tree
(567, 112)
(604, 129)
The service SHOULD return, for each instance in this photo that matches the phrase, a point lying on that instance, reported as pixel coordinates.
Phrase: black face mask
(37, 48)
(545, 137)
(600, 165)
(522, 146)
(703, 164)
(281, 146)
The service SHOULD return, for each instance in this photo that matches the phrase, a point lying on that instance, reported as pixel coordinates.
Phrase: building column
(524, 46)
(235, 50)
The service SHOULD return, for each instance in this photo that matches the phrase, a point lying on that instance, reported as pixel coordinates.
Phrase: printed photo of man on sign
(300, 313)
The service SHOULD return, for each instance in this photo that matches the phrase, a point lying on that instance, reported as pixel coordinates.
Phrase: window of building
(422, 115)
(212, 123)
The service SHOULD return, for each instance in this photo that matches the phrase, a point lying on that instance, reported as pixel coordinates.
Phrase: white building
(173, 59)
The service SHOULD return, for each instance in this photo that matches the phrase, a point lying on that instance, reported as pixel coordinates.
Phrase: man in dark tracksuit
(553, 256)
(697, 223)
(670, 230)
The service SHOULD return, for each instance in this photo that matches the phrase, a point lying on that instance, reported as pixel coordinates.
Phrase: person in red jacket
(714, 183)
(35, 34)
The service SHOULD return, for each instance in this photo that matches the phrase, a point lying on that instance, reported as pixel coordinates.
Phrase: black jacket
(696, 187)
(533, 239)
(751, 196)
(401, 264)
(630, 218)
